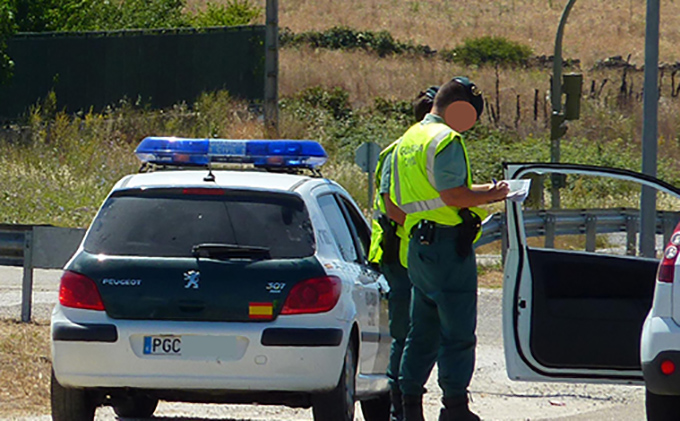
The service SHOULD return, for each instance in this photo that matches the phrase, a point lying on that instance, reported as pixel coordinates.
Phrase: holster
(390, 240)
(469, 229)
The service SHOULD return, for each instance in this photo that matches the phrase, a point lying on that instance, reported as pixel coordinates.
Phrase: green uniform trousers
(399, 312)
(443, 315)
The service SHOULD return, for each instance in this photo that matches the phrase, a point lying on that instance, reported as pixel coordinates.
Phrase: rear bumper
(660, 342)
(284, 355)
(656, 381)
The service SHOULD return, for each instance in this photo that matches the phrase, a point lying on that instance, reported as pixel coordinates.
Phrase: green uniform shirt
(385, 175)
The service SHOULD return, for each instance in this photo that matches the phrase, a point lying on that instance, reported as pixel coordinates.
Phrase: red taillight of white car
(670, 255)
(316, 295)
(79, 291)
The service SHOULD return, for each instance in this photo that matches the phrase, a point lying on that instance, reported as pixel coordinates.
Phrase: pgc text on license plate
(163, 345)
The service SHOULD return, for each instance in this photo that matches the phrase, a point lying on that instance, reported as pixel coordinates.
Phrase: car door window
(338, 225)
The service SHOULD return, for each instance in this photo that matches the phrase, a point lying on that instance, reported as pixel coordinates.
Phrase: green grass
(58, 168)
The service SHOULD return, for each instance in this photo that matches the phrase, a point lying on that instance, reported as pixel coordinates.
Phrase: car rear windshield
(170, 222)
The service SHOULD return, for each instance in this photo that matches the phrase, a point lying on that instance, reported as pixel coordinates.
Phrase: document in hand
(519, 190)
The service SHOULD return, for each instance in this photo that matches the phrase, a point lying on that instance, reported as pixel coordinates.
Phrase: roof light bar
(260, 153)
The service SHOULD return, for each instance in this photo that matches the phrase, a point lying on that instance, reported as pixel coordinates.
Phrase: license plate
(163, 345)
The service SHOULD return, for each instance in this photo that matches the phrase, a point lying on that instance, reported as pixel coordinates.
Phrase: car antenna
(210, 176)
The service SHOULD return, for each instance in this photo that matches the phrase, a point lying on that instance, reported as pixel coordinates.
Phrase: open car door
(575, 292)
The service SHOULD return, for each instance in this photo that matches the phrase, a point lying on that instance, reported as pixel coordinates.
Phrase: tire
(338, 404)
(135, 407)
(662, 407)
(377, 409)
(70, 404)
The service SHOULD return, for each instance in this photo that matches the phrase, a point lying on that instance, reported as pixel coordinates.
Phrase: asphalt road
(495, 397)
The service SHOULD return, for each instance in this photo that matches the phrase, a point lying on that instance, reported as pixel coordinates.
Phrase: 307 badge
(275, 287)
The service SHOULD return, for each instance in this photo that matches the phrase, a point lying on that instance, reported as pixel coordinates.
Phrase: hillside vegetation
(56, 167)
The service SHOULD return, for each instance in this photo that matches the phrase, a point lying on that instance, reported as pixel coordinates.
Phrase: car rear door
(575, 292)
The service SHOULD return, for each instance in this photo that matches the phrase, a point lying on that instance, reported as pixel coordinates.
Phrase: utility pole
(650, 130)
(271, 70)
(557, 118)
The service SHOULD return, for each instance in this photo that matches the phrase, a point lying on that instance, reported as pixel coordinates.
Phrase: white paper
(519, 190)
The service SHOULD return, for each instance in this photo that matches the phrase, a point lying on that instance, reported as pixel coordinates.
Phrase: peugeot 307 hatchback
(206, 285)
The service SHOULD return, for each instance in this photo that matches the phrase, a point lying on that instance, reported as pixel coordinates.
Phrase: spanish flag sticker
(261, 310)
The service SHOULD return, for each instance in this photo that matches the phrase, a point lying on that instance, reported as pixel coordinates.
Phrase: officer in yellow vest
(432, 184)
(389, 246)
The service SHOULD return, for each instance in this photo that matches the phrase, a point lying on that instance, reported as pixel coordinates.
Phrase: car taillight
(316, 295)
(79, 291)
(670, 255)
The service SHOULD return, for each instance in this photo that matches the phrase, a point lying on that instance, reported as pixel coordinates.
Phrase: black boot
(396, 408)
(456, 409)
(413, 407)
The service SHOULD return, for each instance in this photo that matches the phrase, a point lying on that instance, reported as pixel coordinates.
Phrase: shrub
(234, 13)
(335, 100)
(344, 38)
(489, 50)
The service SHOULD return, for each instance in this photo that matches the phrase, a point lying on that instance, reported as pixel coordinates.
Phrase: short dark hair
(459, 89)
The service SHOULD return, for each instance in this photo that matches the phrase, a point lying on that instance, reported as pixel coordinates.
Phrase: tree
(7, 28)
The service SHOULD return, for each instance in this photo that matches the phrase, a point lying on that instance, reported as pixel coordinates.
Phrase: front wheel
(377, 409)
(70, 404)
(661, 407)
(338, 404)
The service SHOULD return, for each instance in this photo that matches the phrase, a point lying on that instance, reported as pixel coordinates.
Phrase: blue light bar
(260, 153)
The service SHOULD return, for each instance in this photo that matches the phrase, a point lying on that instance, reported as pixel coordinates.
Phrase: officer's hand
(499, 191)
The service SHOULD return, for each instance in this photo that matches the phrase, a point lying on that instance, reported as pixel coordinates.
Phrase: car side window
(359, 226)
(338, 225)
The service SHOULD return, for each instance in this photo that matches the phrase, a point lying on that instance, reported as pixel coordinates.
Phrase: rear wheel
(135, 407)
(377, 409)
(338, 404)
(70, 404)
(662, 407)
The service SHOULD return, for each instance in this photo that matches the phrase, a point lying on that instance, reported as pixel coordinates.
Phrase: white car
(594, 315)
(206, 285)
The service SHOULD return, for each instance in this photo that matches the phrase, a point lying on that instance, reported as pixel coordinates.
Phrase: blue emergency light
(260, 153)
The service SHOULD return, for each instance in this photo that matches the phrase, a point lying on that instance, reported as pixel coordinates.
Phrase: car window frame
(349, 227)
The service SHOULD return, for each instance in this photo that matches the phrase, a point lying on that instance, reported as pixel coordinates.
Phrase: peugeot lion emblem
(192, 277)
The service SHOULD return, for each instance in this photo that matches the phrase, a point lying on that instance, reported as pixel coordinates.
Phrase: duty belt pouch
(390, 241)
(469, 228)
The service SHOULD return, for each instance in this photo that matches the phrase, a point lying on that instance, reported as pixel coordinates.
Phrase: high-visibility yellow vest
(375, 251)
(412, 186)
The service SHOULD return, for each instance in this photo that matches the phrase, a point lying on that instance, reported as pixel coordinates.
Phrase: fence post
(631, 232)
(502, 222)
(591, 232)
(27, 286)
(549, 231)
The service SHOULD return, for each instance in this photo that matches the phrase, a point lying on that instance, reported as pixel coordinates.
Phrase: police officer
(431, 183)
(389, 246)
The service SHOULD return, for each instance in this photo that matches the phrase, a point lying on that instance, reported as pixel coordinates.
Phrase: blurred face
(460, 116)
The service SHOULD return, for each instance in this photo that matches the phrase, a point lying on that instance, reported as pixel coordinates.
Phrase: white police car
(595, 316)
(210, 285)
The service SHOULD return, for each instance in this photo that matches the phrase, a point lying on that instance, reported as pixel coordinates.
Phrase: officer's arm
(463, 197)
(393, 211)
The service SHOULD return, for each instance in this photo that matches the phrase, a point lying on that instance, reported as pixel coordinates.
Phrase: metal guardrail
(46, 247)
(36, 247)
(589, 222)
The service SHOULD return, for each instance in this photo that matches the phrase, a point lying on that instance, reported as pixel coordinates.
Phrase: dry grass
(595, 29)
(24, 367)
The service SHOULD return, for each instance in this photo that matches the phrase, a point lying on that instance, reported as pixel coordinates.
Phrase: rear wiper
(229, 251)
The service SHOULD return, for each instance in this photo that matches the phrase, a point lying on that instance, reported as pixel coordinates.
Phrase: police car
(200, 284)
(595, 315)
